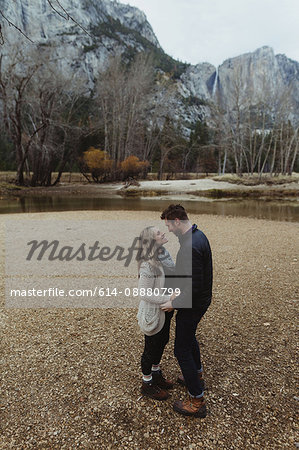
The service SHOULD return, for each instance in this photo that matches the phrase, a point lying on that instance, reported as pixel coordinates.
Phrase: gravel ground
(70, 378)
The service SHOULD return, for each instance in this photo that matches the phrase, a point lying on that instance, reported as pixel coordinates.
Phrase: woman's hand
(167, 306)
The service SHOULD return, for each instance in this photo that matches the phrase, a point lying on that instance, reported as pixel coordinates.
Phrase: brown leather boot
(161, 381)
(181, 380)
(153, 391)
(191, 407)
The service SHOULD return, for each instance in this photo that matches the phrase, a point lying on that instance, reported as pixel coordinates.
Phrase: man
(194, 275)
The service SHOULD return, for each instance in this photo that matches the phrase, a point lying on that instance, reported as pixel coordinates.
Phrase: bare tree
(123, 95)
(38, 112)
(256, 131)
(54, 146)
(171, 140)
(15, 77)
(228, 124)
(221, 138)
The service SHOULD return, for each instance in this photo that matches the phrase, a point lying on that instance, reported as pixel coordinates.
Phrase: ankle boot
(161, 381)
(191, 407)
(153, 391)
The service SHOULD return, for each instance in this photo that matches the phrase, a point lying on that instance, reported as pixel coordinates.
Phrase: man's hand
(167, 306)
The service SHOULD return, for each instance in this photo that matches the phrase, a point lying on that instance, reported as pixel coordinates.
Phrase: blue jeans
(186, 348)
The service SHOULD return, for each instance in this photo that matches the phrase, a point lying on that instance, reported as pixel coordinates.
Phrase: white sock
(155, 368)
(147, 378)
(196, 396)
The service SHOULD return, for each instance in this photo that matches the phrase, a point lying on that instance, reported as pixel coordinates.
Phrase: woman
(154, 262)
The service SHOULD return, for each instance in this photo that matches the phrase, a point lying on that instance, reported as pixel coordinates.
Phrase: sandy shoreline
(71, 377)
(205, 187)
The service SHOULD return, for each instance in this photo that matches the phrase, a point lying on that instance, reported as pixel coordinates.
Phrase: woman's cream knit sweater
(150, 317)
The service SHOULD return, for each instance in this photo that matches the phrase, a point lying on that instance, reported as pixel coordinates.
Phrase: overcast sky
(214, 30)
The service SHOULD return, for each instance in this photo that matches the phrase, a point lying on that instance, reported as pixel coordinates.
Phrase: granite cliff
(113, 27)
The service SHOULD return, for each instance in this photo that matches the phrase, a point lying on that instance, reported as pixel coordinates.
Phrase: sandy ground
(186, 185)
(70, 378)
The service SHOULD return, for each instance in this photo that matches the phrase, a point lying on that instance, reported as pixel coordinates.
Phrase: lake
(283, 210)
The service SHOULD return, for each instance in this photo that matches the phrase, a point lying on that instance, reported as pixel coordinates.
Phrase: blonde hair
(148, 250)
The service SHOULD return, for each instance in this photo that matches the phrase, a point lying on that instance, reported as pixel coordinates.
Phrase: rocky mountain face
(39, 21)
(258, 77)
(113, 27)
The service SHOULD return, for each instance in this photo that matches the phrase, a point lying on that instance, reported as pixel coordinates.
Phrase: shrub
(98, 164)
(133, 167)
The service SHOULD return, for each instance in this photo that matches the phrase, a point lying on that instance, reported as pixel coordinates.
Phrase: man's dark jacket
(194, 270)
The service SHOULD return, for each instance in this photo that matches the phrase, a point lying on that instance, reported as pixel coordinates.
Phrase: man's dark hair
(174, 212)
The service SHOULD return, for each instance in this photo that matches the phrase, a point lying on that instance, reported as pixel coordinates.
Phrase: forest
(124, 127)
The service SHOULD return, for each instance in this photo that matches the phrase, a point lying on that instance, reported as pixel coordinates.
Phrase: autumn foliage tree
(98, 164)
(133, 167)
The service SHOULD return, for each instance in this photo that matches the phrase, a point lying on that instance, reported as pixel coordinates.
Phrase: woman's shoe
(152, 390)
(161, 381)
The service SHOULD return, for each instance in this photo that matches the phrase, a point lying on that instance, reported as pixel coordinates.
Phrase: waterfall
(215, 83)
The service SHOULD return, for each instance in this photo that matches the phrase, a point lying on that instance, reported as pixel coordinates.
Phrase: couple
(192, 274)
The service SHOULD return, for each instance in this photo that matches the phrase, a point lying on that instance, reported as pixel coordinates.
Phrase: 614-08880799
(135, 292)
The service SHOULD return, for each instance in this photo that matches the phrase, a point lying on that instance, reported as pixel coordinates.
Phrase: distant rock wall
(115, 27)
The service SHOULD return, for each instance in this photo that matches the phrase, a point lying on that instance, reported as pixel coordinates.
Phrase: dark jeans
(154, 346)
(186, 348)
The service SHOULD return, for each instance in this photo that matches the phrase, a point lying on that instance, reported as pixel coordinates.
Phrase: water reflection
(261, 209)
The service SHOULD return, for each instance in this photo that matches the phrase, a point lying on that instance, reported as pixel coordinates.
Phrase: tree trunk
(294, 158)
(224, 161)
